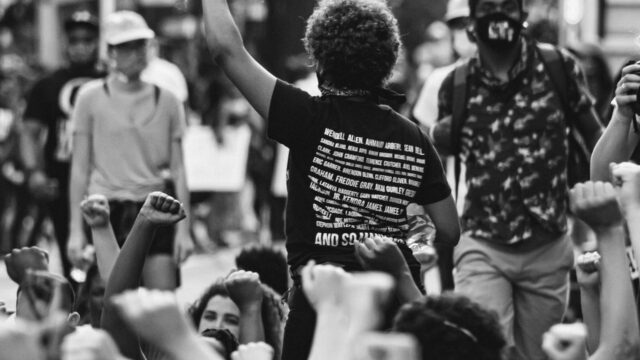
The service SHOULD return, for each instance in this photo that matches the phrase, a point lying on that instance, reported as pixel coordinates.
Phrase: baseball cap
(124, 26)
(81, 18)
(457, 9)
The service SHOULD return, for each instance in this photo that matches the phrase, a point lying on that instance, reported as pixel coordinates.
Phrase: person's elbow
(449, 234)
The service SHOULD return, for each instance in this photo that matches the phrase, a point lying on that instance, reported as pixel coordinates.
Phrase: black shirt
(50, 102)
(354, 166)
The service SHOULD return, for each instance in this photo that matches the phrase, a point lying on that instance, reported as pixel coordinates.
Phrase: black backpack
(579, 153)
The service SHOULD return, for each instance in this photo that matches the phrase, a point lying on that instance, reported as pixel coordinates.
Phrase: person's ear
(73, 319)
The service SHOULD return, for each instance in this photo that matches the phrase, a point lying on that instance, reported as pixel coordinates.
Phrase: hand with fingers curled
(161, 209)
(253, 351)
(90, 344)
(154, 315)
(596, 204)
(95, 211)
(627, 90)
(18, 261)
(244, 289)
(588, 271)
(626, 177)
(323, 285)
(565, 342)
(381, 254)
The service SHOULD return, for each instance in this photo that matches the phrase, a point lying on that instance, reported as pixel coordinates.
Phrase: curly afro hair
(354, 43)
(430, 321)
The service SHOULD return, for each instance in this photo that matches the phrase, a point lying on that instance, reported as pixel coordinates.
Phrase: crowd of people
(449, 232)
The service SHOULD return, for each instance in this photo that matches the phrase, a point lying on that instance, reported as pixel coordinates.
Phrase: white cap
(124, 26)
(457, 9)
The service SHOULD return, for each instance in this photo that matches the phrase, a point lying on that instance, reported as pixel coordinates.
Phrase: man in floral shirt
(514, 256)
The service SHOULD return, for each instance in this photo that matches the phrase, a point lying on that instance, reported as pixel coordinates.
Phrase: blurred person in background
(599, 79)
(425, 110)
(504, 117)
(49, 107)
(127, 142)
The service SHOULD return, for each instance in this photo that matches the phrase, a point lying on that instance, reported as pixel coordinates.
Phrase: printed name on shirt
(347, 239)
(362, 184)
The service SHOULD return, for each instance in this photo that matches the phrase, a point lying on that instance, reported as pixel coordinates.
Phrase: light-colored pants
(529, 289)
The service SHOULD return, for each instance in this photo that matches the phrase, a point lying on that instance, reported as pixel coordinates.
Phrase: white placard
(211, 166)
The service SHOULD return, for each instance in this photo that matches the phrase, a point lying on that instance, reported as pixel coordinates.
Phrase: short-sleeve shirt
(353, 168)
(514, 145)
(131, 135)
(50, 103)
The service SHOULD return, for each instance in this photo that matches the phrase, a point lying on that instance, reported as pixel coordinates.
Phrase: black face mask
(498, 31)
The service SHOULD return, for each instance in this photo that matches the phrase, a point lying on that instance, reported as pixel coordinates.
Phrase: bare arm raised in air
(619, 139)
(224, 39)
(158, 210)
(596, 204)
(95, 210)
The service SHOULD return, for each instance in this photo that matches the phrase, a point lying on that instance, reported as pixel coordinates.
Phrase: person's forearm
(590, 305)
(406, 287)
(125, 275)
(79, 182)
(619, 334)
(251, 326)
(615, 145)
(31, 155)
(182, 192)
(107, 249)
(223, 34)
(330, 339)
(633, 225)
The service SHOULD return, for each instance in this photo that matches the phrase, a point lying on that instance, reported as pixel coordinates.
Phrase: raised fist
(323, 285)
(588, 271)
(161, 209)
(565, 342)
(244, 288)
(380, 254)
(626, 176)
(19, 260)
(95, 210)
(154, 315)
(596, 204)
(253, 351)
(89, 344)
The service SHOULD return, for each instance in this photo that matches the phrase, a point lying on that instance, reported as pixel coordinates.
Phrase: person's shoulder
(91, 89)
(568, 58)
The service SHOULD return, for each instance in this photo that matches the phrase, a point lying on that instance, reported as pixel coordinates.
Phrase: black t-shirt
(50, 102)
(354, 166)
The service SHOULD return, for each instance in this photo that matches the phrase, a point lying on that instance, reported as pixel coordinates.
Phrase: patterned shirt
(514, 145)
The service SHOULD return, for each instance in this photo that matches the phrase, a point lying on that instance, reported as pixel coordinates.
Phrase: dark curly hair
(269, 262)
(452, 327)
(354, 43)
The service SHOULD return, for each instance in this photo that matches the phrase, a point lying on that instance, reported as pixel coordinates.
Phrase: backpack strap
(458, 115)
(554, 65)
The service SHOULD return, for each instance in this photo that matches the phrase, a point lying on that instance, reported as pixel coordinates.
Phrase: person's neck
(125, 83)
(499, 62)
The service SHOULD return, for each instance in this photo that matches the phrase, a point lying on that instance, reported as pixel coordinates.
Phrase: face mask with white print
(498, 31)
